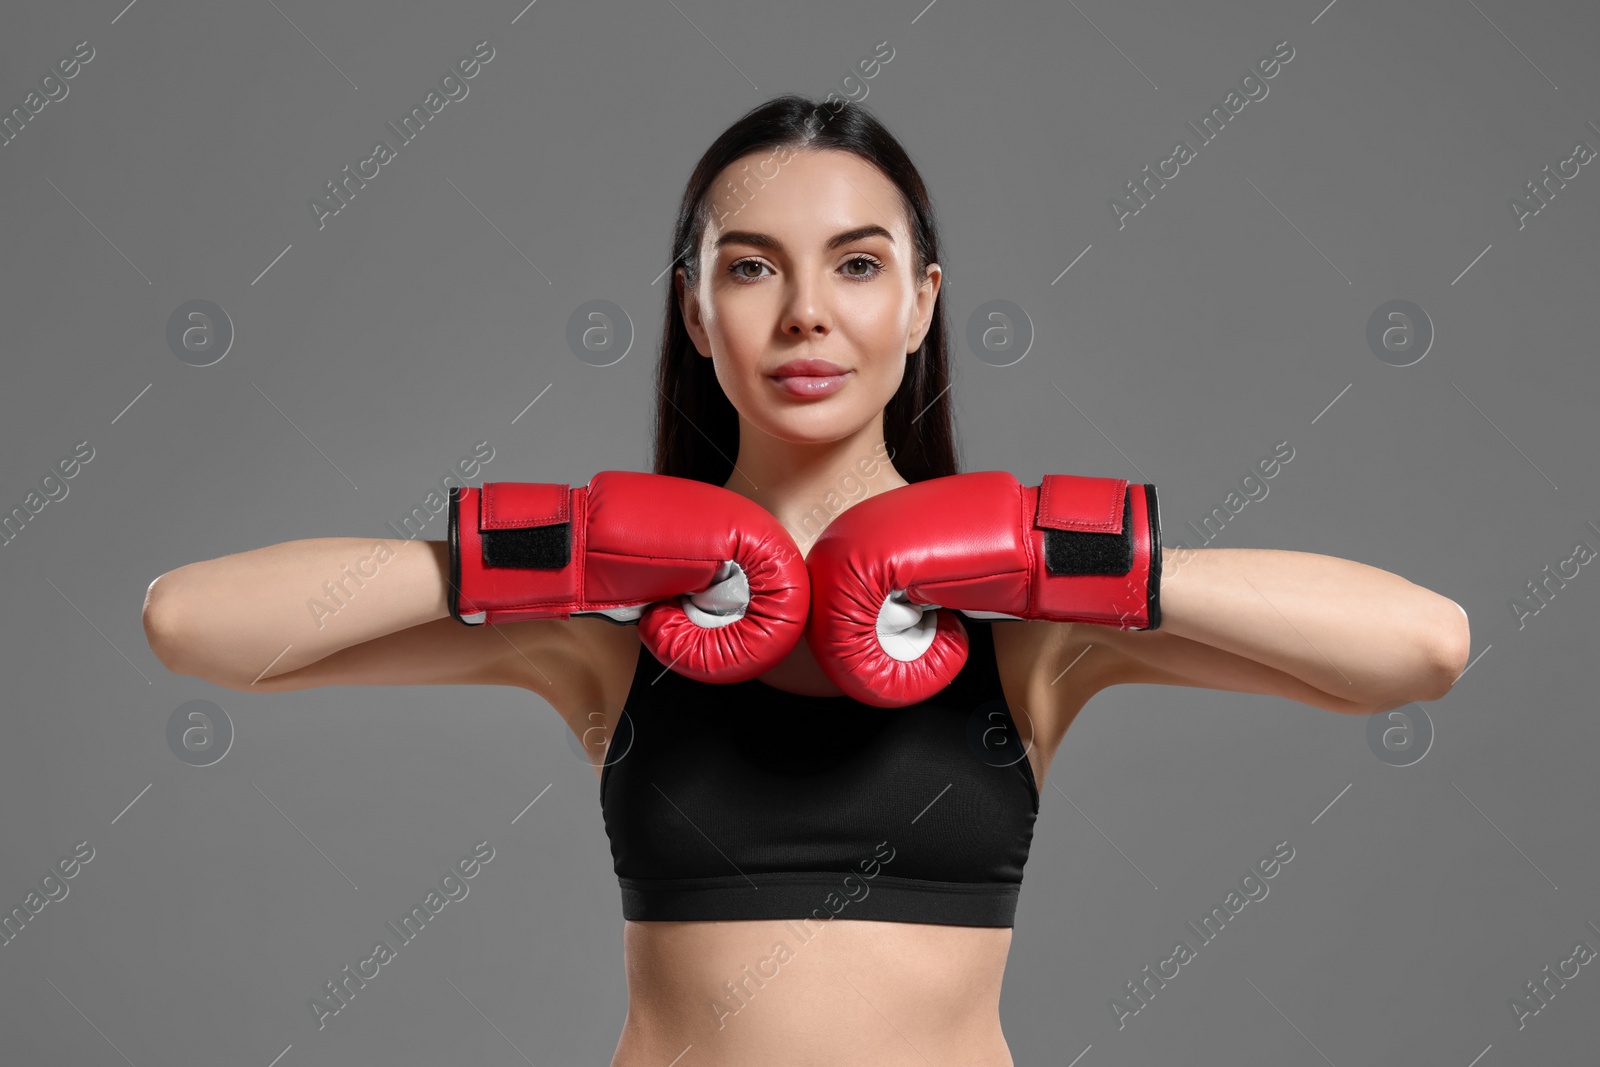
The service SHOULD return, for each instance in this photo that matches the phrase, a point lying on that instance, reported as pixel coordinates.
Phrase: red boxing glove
(718, 587)
(1073, 549)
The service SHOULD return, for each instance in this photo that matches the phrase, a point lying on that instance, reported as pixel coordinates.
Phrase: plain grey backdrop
(369, 354)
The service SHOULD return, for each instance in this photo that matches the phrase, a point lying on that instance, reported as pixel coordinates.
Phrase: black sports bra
(745, 801)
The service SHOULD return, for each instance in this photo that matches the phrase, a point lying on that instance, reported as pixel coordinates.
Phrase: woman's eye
(874, 268)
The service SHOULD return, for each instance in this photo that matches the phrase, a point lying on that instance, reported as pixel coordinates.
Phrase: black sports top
(745, 801)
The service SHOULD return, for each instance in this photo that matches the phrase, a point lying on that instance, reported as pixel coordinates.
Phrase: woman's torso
(886, 992)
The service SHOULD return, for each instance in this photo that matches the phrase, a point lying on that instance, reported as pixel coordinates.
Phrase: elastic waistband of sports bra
(819, 895)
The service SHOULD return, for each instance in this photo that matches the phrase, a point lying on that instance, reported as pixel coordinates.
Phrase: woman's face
(816, 263)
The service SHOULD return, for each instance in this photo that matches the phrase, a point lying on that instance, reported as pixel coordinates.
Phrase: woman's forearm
(274, 609)
(1351, 630)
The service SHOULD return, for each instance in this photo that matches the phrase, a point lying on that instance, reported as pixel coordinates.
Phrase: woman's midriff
(783, 992)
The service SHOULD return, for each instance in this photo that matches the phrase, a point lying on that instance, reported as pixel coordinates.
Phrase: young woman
(882, 849)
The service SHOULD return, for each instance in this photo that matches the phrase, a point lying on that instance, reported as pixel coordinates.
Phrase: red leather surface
(640, 538)
(971, 541)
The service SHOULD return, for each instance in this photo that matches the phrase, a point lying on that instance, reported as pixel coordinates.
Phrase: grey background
(1225, 317)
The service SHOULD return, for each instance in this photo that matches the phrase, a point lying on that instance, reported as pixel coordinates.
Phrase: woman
(806, 233)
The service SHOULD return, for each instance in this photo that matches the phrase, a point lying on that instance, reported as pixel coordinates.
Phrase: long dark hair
(697, 428)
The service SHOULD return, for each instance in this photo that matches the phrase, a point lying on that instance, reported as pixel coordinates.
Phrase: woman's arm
(1315, 628)
(332, 611)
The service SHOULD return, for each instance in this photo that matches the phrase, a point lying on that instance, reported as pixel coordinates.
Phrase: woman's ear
(689, 306)
(927, 296)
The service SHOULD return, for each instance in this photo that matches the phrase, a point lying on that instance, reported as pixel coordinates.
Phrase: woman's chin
(809, 431)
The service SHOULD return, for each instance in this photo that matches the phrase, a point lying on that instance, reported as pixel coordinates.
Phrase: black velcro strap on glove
(1088, 552)
(535, 548)
(525, 525)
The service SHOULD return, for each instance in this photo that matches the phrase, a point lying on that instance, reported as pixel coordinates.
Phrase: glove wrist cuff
(512, 551)
(1099, 552)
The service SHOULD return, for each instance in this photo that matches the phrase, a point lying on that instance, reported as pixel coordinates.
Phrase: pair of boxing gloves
(721, 593)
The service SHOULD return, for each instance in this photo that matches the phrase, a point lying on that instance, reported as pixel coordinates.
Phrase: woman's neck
(807, 486)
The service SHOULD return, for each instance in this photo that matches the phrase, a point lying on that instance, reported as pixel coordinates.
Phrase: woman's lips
(809, 377)
(810, 384)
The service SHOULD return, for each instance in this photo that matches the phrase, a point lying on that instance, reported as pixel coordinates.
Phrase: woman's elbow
(163, 621)
(1442, 646)
(1451, 644)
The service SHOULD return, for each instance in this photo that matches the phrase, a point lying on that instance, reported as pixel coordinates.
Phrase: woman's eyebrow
(766, 240)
